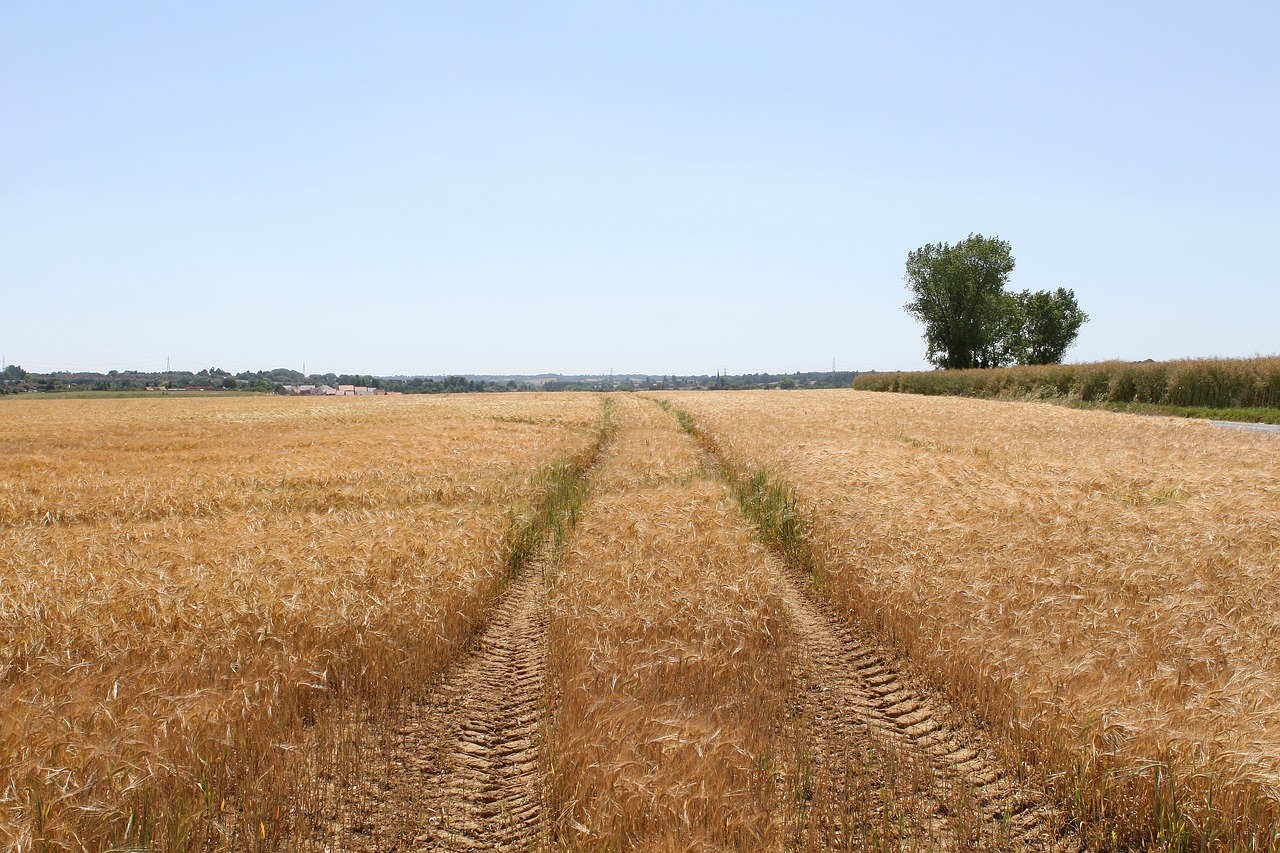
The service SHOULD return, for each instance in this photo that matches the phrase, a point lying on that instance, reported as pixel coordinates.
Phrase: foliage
(960, 299)
(970, 321)
(1046, 325)
(1241, 416)
(269, 381)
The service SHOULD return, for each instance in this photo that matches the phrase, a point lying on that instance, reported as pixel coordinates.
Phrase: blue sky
(660, 187)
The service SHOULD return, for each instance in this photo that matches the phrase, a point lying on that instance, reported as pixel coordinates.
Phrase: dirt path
(462, 772)
(880, 762)
(1271, 428)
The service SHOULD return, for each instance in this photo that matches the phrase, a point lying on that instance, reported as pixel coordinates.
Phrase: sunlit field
(666, 658)
(202, 600)
(1102, 589)
(1023, 626)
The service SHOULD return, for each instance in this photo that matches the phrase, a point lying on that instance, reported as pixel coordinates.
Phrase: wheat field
(666, 658)
(201, 601)
(217, 615)
(1102, 589)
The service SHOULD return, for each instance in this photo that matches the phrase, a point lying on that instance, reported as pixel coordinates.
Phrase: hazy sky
(677, 187)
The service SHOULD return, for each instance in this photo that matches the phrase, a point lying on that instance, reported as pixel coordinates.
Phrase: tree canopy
(960, 298)
(1047, 324)
(970, 320)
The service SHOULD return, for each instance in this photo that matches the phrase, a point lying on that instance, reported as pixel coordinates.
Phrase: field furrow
(492, 791)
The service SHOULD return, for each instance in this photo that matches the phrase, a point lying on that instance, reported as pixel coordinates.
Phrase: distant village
(340, 391)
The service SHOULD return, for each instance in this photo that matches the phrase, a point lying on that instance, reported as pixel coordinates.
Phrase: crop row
(666, 658)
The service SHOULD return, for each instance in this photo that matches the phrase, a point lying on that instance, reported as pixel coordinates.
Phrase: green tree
(1046, 325)
(971, 321)
(960, 298)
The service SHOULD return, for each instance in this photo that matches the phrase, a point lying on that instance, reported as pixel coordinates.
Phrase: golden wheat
(665, 658)
(1103, 587)
(189, 590)
(208, 608)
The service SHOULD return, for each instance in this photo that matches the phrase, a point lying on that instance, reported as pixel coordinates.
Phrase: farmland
(548, 621)
(1101, 589)
(193, 590)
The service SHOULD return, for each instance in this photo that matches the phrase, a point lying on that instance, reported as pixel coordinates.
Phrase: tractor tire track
(864, 730)
(861, 714)
(490, 794)
(461, 770)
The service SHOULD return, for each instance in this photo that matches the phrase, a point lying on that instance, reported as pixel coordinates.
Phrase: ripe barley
(665, 658)
(1101, 587)
(207, 606)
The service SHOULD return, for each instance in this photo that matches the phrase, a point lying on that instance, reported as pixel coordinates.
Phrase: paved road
(1274, 428)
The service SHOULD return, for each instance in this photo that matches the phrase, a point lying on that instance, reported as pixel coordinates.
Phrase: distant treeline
(17, 380)
(1207, 382)
(717, 382)
(13, 380)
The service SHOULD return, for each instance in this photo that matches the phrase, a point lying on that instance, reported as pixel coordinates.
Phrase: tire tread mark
(855, 684)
